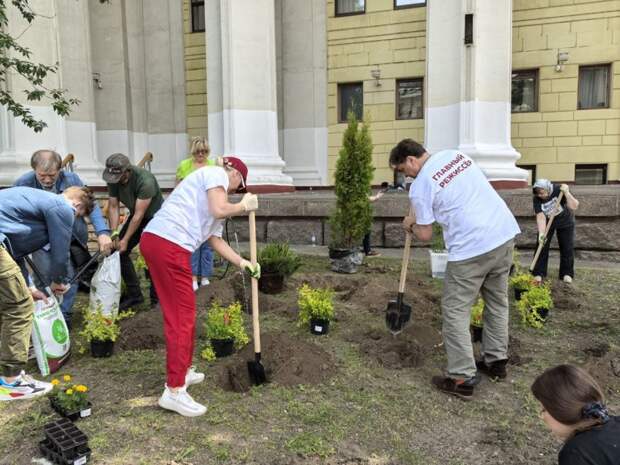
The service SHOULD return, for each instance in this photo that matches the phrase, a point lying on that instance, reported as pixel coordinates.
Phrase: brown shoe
(494, 370)
(460, 388)
(373, 253)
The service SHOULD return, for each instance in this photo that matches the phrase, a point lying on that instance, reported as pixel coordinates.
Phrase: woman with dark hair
(573, 407)
(545, 206)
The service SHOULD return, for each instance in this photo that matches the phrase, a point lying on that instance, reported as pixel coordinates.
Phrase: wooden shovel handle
(255, 322)
(405, 263)
(547, 229)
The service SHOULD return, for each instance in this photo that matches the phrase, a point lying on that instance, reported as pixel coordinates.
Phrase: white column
(241, 86)
(468, 87)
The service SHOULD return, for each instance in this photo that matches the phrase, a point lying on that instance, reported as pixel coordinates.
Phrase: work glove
(564, 188)
(252, 270)
(542, 238)
(249, 202)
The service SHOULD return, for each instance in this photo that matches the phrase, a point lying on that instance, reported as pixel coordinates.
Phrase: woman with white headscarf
(545, 201)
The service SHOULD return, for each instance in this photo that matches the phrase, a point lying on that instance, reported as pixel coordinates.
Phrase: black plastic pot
(271, 283)
(71, 415)
(101, 349)
(319, 326)
(543, 313)
(476, 333)
(518, 293)
(64, 443)
(223, 347)
(337, 253)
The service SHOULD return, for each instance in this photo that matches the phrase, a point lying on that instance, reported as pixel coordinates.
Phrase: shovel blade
(257, 371)
(397, 316)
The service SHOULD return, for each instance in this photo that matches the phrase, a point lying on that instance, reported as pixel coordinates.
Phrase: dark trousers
(366, 243)
(566, 241)
(128, 272)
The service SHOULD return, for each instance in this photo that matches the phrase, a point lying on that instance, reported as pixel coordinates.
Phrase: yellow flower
(55, 382)
(69, 392)
(81, 388)
(66, 377)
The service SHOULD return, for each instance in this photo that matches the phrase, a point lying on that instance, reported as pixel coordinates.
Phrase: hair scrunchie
(595, 411)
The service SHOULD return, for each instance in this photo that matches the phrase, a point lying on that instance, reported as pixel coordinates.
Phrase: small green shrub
(522, 281)
(476, 313)
(102, 327)
(315, 304)
(226, 323)
(437, 242)
(278, 258)
(68, 395)
(535, 299)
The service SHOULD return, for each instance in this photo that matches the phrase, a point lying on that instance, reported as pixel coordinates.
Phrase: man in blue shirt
(30, 219)
(47, 175)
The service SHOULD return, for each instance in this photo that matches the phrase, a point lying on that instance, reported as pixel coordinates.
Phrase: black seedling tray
(66, 441)
(47, 449)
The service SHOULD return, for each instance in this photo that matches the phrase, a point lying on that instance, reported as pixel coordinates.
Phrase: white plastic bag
(105, 287)
(50, 336)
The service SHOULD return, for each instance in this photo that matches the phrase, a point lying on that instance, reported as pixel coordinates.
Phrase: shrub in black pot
(277, 262)
(224, 330)
(316, 308)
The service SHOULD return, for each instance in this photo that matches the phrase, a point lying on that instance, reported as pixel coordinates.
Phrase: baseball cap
(115, 166)
(237, 164)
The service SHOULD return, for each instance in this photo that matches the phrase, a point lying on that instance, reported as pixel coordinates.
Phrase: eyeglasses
(203, 152)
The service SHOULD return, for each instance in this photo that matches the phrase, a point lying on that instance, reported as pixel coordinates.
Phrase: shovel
(73, 280)
(398, 312)
(255, 367)
(547, 229)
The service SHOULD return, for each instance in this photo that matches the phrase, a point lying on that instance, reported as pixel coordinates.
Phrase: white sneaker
(24, 387)
(567, 279)
(538, 279)
(204, 282)
(193, 377)
(181, 402)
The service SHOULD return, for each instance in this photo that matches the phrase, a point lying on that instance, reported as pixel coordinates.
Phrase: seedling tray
(47, 449)
(65, 440)
(71, 415)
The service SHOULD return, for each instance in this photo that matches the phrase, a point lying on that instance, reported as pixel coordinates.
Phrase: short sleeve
(219, 229)
(113, 190)
(421, 198)
(214, 177)
(537, 205)
(147, 189)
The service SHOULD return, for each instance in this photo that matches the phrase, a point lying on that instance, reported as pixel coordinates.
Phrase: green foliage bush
(224, 323)
(278, 258)
(476, 313)
(532, 301)
(437, 242)
(352, 218)
(522, 281)
(102, 327)
(315, 304)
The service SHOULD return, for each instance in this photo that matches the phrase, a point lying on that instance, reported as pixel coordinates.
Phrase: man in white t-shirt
(479, 232)
(193, 213)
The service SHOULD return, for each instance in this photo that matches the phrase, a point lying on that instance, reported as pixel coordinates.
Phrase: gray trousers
(486, 274)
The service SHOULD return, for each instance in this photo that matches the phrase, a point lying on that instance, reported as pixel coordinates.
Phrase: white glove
(249, 202)
(564, 188)
(252, 270)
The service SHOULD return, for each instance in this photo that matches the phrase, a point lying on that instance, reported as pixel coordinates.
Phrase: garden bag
(105, 287)
(50, 336)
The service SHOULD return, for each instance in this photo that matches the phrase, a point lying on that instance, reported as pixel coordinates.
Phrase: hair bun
(595, 411)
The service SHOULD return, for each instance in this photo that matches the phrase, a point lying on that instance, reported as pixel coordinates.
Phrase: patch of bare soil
(143, 331)
(515, 350)
(606, 370)
(288, 361)
(566, 296)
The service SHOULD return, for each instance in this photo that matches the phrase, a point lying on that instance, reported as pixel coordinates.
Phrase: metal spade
(398, 313)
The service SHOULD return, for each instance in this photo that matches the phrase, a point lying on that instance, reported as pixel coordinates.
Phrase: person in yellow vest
(202, 259)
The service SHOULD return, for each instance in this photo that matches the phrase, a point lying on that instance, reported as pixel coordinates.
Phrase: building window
(591, 174)
(350, 97)
(409, 98)
(531, 173)
(525, 91)
(594, 84)
(198, 16)
(408, 3)
(350, 7)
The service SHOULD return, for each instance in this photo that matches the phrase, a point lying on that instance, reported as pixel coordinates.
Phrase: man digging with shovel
(479, 232)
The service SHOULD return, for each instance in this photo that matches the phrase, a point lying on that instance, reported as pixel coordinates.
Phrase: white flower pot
(439, 263)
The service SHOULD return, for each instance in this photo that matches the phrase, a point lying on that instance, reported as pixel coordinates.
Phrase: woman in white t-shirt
(193, 213)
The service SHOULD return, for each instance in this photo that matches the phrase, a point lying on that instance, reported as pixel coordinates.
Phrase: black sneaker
(461, 388)
(494, 370)
(129, 302)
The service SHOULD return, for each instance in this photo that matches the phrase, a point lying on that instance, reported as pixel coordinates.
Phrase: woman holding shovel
(191, 215)
(546, 197)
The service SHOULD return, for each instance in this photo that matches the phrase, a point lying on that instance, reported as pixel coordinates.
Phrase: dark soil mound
(405, 350)
(288, 361)
(515, 350)
(566, 296)
(142, 331)
(606, 370)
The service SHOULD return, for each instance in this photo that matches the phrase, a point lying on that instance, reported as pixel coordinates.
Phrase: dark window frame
(593, 166)
(353, 13)
(531, 168)
(397, 98)
(609, 78)
(404, 7)
(536, 72)
(339, 105)
(194, 5)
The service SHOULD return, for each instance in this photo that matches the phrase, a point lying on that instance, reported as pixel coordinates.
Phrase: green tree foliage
(15, 60)
(352, 218)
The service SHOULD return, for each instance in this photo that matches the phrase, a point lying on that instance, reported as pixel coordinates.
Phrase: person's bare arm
(138, 215)
(221, 208)
(113, 212)
(571, 201)
(224, 250)
(541, 222)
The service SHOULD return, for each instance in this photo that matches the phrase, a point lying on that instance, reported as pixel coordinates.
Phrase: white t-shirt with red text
(184, 218)
(452, 190)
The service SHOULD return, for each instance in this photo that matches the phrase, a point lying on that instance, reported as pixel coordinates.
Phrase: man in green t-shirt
(138, 190)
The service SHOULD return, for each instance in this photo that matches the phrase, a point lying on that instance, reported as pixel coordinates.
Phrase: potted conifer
(277, 263)
(438, 253)
(352, 217)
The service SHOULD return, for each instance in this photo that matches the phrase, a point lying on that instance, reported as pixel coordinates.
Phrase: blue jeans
(202, 261)
(43, 261)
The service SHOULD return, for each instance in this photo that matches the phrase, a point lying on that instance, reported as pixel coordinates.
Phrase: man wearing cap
(139, 191)
(192, 214)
